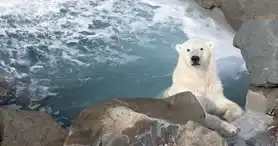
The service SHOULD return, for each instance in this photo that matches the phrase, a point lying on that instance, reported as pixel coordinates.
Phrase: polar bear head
(196, 52)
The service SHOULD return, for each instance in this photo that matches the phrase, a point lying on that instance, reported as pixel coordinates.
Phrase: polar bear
(196, 72)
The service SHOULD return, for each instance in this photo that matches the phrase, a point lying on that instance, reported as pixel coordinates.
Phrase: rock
(237, 11)
(256, 101)
(26, 128)
(218, 16)
(123, 122)
(208, 4)
(255, 130)
(138, 121)
(270, 102)
(254, 126)
(194, 134)
(257, 40)
(7, 91)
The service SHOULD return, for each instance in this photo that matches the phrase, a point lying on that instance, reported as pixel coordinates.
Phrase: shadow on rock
(143, 121)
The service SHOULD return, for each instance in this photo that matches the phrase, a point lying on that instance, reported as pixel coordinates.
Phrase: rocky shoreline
(125, 121)
(133, 122)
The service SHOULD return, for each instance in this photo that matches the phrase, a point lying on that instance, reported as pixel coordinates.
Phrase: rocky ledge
(155, 122)
(132, 122)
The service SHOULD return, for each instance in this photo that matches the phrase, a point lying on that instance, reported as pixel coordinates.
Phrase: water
(71, 53)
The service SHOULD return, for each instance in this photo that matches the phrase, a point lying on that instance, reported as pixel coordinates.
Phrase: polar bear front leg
(227, 109)
(224, 128)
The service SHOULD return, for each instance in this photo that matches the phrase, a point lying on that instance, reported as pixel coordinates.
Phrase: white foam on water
(62, 35)
(196, 25)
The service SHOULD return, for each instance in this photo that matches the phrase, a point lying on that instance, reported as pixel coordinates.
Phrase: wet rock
(7, 91)
(26, 128)
(237, 11)
(257, 40)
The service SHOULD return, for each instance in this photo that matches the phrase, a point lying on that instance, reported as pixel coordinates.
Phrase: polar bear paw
(223, 127)
(229, 130)
(233, 112)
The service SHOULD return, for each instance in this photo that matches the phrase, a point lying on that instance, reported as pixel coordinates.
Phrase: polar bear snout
(195, 60)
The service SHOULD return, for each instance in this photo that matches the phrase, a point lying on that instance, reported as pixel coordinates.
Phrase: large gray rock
(26, 128)
(256, 130)
(123, 122)
(258, 42)
(237, 11)
(142, 121)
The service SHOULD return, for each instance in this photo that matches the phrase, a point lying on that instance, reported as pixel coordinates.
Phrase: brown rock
(123, 122)
(194, 134)
(26, 128)
(114, 122)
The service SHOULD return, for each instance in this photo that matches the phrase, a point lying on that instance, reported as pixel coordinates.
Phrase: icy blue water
(70, 53)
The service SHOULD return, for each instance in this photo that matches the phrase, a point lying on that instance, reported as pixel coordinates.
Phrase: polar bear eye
(201, 49)
(188, 50)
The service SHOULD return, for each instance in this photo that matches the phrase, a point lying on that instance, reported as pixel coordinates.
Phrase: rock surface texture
(256, 130)
(7, 91)
(130, 122)
(133, 122)
(208, 4)
(123, 122)
(237, 11)
(25, 128)
(256, 101)
(258, 42)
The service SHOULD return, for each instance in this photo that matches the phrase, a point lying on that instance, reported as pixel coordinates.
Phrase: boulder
(7, 91)
(142, 121)
(149, 122)
(237, 11)
(256, 101)
(264, 100)
(257, 40)
(27, 128)
(256, 130)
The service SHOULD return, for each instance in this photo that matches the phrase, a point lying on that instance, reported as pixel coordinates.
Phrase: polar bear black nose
(195, 58)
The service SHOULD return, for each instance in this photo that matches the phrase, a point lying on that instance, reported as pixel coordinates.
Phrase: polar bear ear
(178, 47)
(210, 44)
